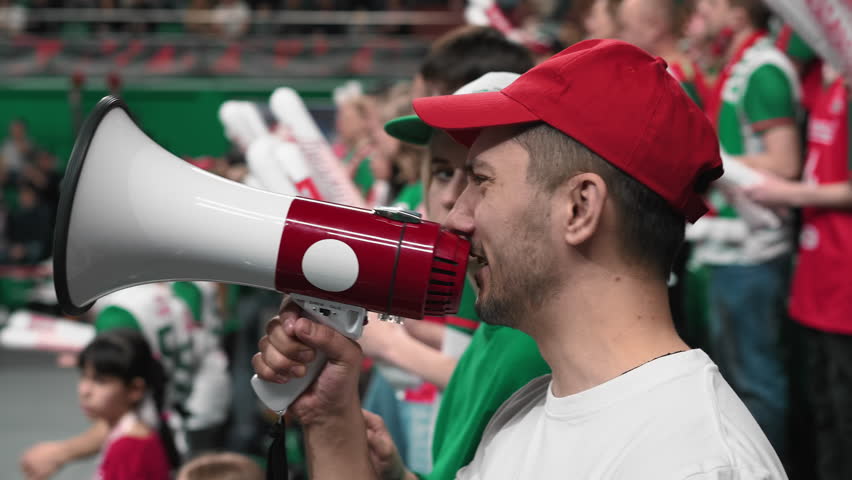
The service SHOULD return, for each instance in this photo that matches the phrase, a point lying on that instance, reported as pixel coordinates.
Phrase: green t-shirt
(466, 320)
(146, 310)
(691, 89)
(688, 78)
(410, 197)
(364, 178)
(117, 317)
(761, 92)
(795, 46)
(498, 362)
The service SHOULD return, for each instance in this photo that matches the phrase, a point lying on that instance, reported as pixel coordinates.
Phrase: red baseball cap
(614, 98)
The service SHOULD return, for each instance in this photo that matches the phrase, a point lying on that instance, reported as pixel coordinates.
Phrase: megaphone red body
(132, 213)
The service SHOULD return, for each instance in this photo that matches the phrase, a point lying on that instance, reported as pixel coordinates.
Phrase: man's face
(447, 176)
(599, 22)
(637, 24)
(508, 221)
(348, 124)
(716, 15)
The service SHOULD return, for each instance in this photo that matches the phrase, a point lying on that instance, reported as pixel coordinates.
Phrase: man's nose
(460, 218)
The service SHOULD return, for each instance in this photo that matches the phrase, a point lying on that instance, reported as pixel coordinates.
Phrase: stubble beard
(525, 280)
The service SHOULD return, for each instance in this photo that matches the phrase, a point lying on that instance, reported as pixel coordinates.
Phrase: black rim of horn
(66, 201)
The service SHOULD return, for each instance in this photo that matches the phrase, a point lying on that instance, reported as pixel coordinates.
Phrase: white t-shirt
(671, 418)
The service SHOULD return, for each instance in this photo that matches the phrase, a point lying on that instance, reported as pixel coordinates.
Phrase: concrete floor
(38, 402)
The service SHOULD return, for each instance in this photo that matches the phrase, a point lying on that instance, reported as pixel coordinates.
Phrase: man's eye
(443, 175)
(478, 179)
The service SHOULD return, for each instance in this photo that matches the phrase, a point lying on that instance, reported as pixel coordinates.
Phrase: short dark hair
(651, 230)
(467, 53)
(758, 13)
(221, 466)
(676, 13)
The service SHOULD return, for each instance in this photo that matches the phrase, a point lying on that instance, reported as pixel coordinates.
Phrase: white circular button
(330, 265)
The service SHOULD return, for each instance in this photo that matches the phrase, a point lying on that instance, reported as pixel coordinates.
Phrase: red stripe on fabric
(462, 322)
(498, 20)
(765, 125)
(307, 188)
(425, 393)
(783, 40)
(714, 104)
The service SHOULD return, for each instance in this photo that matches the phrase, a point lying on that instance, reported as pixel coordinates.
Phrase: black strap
(276, 458)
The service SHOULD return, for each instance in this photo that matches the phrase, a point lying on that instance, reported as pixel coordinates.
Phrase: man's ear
(584, 196)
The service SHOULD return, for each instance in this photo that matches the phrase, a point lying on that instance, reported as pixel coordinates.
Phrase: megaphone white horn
(132, 213)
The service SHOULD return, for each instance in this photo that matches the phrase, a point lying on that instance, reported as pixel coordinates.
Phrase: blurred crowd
(226, 19)
(30, 178)
(757, 291)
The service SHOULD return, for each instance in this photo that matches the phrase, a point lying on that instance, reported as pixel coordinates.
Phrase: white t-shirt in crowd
(672, 418)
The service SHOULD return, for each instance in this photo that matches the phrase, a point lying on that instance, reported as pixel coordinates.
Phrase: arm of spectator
(43, 460)
(770, 104)
(391, 344)
(782, 155)
(779, 192)
(430, 333)
(384, 455)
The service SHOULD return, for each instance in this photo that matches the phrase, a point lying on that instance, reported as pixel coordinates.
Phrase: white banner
(826, 25)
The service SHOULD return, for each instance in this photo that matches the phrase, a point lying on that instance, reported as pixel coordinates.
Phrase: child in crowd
(119, 379)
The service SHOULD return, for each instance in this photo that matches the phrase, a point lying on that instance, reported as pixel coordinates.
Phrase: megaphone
(132, 213)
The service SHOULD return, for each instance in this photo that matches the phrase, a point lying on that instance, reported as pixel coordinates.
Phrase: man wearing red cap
(582, 173)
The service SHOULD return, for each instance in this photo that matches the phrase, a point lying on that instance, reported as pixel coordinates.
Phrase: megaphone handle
(279, 396)
(346, 319)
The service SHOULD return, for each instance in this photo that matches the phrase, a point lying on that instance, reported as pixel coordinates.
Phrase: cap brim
(463, 116)
(409, 129)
